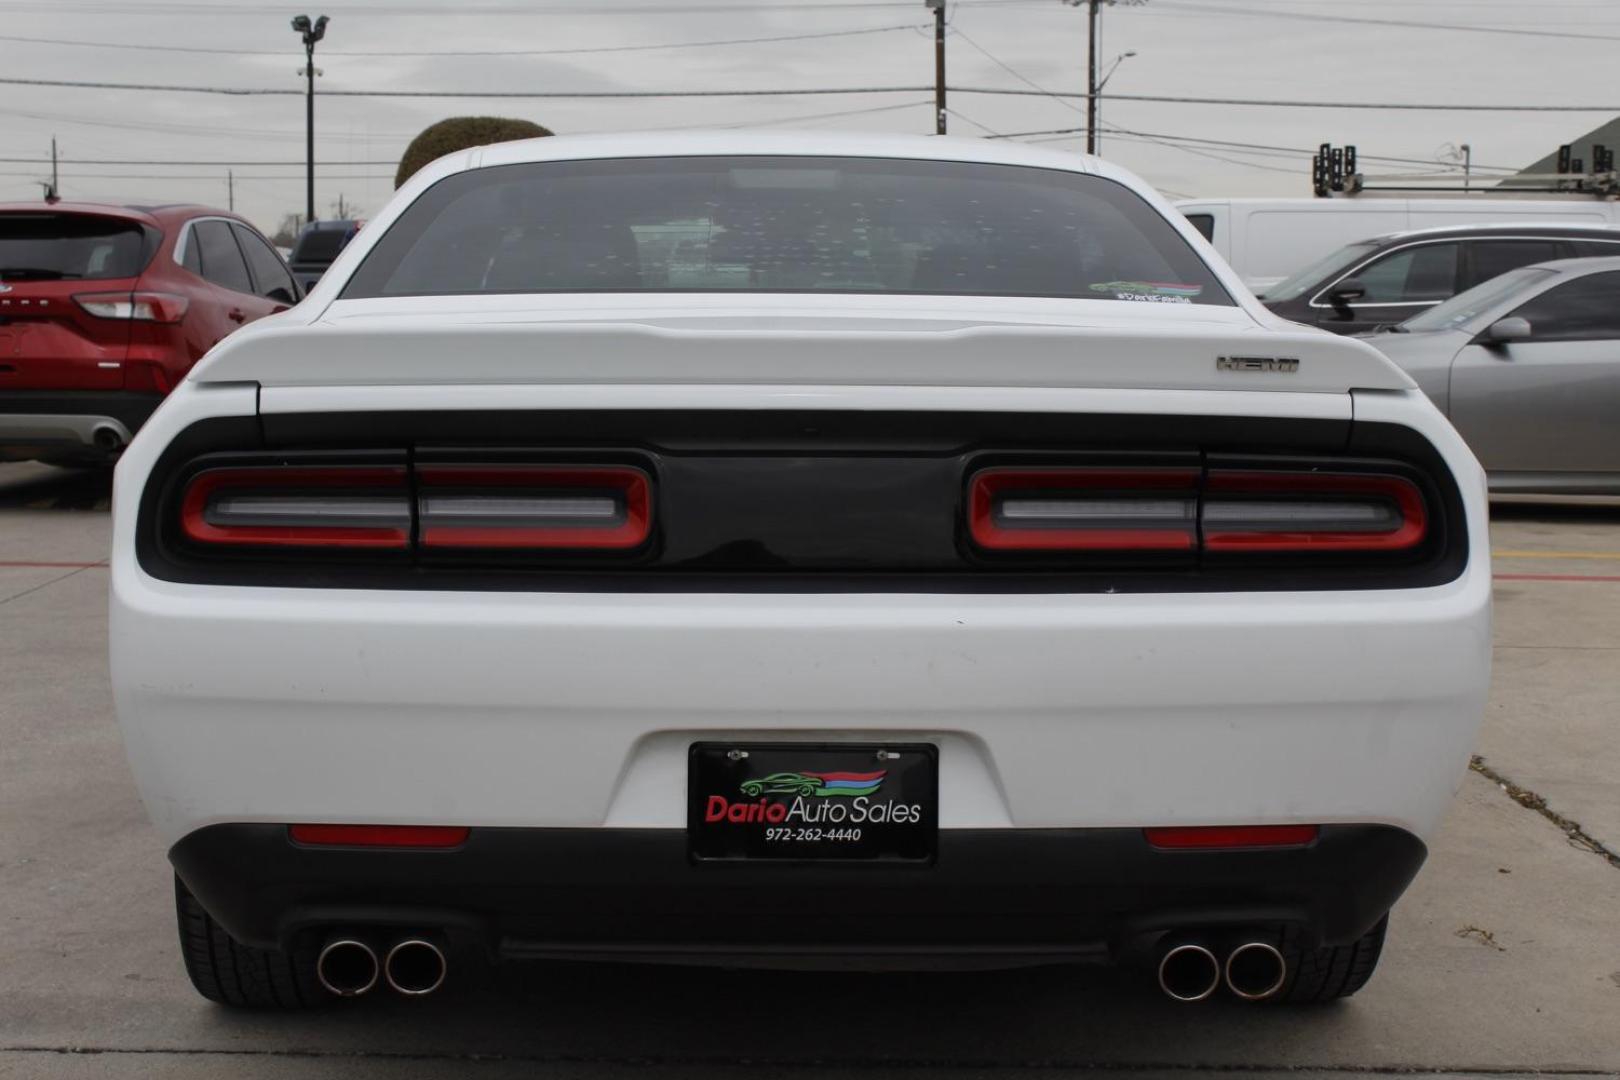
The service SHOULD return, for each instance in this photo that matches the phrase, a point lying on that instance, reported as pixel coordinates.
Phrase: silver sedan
(1527, 366)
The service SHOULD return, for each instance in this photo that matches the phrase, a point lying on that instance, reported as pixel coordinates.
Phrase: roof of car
(152, 215)
(790, 144)
(1595, 229)
(1580, 267)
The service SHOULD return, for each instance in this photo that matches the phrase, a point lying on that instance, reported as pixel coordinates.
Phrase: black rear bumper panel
(994, 895)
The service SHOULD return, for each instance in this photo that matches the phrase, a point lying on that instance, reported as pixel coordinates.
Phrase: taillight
(1084, 509)
(137, 306)
(1208, 837)
(1266, 511)
(1218, 511)
(327, 506)
(543, 507)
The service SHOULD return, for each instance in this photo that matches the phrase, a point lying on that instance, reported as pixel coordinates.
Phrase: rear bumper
(1004, 896)
(69, 422)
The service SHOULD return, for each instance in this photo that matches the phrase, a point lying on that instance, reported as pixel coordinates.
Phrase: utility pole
(230, 190)
(1091, 77)
(55, 184)
(1468, 166)
(938, 8)
(312, 32)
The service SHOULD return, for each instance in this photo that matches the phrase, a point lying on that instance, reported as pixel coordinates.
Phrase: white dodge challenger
(792, 550)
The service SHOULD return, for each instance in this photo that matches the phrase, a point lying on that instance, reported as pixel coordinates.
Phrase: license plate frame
(852, 802)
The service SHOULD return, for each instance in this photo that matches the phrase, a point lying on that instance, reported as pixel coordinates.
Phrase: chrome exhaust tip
(1256, 971)
(107, 438)
(415, 967)
(1189, 972)
(347, 966)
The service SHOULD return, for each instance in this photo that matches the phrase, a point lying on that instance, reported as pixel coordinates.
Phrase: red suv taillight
(326, 506)
(136, 306)
(1219, 510)
(543, 507)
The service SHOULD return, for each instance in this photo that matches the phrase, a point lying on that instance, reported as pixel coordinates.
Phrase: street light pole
(312, 32)
(1109, 74)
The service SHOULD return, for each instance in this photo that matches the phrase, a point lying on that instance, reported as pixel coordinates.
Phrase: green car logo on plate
(840, 784)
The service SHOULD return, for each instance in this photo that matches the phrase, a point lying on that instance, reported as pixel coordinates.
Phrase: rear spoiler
(853, 352)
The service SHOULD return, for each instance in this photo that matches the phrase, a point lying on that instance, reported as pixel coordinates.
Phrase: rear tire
(226, 971)
(1317, 976)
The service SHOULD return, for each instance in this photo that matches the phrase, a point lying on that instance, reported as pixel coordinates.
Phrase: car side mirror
(1504, 331)
(281, 296)
(1346, 291)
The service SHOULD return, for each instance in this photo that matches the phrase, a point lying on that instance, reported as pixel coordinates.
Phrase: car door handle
(236, 314)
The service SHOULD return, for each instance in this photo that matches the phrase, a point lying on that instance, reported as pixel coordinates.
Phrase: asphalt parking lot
(1503, 959)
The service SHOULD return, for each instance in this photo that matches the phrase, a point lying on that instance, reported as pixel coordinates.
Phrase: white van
(1265, 240)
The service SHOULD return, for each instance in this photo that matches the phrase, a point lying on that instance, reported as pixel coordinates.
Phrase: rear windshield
(53, 247)
(784, 224)
(320, 246)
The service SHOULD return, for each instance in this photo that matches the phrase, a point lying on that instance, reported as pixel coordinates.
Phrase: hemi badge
(1256, 363)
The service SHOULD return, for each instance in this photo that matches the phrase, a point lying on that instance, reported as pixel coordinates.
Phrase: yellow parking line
(1500, 554)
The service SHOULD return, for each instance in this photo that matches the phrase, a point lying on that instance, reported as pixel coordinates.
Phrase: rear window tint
(319, 246)
(784, 224)
(50, 247)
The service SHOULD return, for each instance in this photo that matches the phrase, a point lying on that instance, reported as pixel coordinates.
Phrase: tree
(287, 232)
(459, 133)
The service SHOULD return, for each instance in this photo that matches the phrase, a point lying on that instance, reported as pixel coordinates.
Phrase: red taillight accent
(596, 507)
(1306, 511)
(390, 836)
(136, 306)
(1084, 509)
(316, 506)
(1199, 837)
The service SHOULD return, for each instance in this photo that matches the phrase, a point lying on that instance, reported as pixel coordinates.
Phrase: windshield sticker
(1153, 292)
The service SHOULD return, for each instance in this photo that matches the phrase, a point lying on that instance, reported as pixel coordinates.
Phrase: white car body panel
(557, 709)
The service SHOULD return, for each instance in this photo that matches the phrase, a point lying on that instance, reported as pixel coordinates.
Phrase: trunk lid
(795, 339)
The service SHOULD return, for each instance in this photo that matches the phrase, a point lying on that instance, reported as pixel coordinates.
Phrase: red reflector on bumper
(391, 836)
(1195, 837)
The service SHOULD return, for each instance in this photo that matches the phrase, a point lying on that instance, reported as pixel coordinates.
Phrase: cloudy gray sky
(1517, 51)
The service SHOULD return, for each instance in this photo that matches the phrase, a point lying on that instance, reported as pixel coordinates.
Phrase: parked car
(1388, 279)
(1527, 366)
(104, 309)
(317, 245)
(1266, 240)
(950, 475)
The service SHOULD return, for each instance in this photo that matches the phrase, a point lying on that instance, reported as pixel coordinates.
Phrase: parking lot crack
(1576, 834)
(44, 584)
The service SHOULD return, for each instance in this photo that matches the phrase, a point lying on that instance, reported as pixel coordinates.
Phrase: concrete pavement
(1504, 957)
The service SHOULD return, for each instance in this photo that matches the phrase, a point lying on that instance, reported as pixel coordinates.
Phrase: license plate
(874, 802)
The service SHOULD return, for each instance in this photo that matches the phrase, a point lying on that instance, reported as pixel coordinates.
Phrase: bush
(458, 133)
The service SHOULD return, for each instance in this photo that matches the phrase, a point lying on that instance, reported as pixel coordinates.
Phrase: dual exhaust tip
(349, 965)
(1191, 971)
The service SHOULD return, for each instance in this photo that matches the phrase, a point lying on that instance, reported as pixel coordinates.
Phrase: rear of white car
(708, 598)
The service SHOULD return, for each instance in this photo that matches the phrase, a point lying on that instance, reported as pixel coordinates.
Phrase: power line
(810, 91)
(1289, 104)
(1247, 146)
(156, 161)
(1015, 73)
(461, 52)
(243, 91)
(1312, 16)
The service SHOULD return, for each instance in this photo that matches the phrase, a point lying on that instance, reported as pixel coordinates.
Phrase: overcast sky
(1547, 52)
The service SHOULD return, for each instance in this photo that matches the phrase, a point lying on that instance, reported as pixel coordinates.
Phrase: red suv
(103, 309)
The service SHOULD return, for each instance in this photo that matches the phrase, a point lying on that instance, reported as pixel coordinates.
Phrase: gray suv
(1389, 279)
